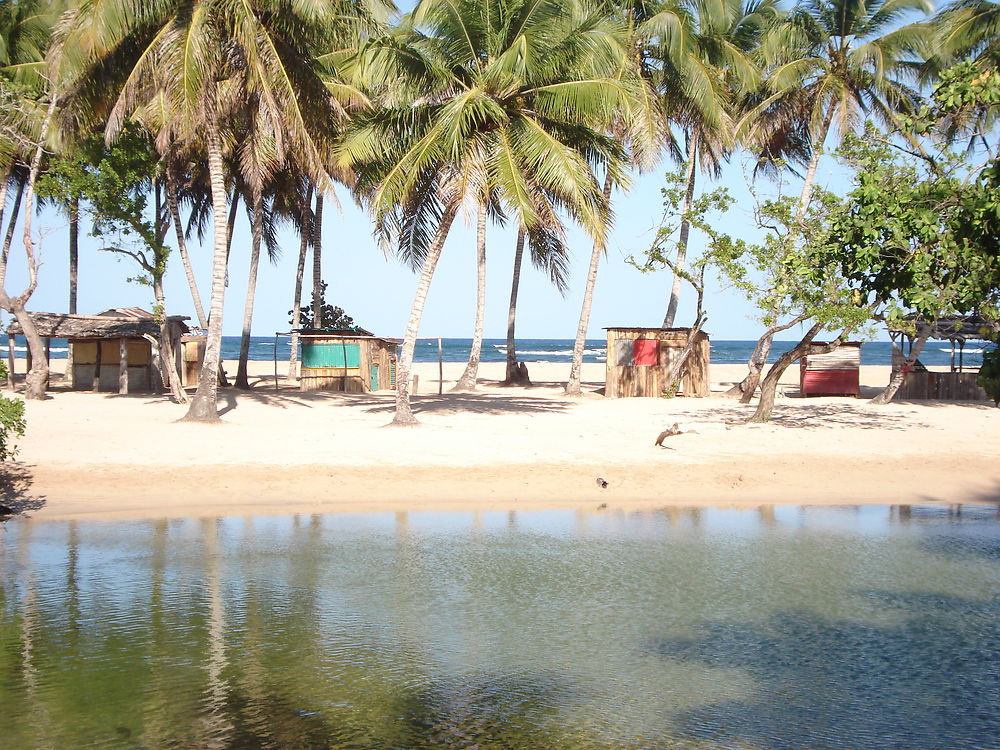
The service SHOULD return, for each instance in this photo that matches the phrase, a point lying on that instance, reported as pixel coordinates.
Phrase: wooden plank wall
(628, 380)
(941, 386)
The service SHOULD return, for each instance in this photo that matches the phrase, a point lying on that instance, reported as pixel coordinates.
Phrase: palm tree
(639, 125)
(27, 108)
(480, 99)
(967, 29)
(188, 55)
(467, 381)
(703, 54)
(549, 254)
(831, 62)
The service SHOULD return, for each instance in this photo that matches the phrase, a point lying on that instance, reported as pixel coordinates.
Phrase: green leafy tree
(919, 232)
(682, 211)
(178, 62)
(332, 318)
(989, 375)
(114, 184)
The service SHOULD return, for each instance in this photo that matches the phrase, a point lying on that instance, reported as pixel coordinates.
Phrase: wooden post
(416, 382)
(10, 361)
(440, 369)
(96, 385)
(122, 366)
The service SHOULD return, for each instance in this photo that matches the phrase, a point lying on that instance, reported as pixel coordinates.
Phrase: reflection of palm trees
(156, 723)
(29, 624)
(217, 722)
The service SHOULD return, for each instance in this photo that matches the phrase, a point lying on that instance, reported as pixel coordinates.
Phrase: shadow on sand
(15, 494)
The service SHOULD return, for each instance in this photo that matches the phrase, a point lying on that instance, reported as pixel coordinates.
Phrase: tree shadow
(804, 415)
(15, 485)
(929, 680)
(456, 403)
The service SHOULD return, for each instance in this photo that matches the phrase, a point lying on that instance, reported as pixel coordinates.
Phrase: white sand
(281, 450)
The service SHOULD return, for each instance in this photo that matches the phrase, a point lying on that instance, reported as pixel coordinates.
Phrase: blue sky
(378, 291)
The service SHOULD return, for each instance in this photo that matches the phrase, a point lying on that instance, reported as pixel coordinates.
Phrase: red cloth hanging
(646, 352)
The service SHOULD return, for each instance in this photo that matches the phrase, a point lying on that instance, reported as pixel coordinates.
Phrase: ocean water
(724, 352)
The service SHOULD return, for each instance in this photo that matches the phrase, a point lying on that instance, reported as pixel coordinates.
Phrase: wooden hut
(353, 361)
(958, 383)
(115, 351)
(834, 373)
(639, 360)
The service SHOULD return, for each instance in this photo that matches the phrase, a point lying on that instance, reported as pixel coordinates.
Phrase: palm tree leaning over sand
(511, 105)
(189, 53)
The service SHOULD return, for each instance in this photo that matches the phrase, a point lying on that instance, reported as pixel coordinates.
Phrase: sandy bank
(279, 450)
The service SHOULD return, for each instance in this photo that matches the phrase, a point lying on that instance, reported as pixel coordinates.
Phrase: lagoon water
(780, 627)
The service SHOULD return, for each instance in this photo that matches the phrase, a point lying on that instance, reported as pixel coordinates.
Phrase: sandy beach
(279, 450)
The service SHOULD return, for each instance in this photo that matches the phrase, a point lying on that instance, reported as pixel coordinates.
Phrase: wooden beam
(10, 361)
(122, 366)
(96, 384)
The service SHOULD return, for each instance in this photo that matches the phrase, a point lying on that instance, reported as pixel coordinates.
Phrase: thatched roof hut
(959, 383)
(132, 322)
(116, 350)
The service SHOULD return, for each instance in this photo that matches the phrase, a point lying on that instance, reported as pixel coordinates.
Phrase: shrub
(989, 375)
(12, 422)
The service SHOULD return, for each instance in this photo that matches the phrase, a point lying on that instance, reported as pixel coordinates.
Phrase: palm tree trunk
(74, 252)
(230, 227)
(4, 189)
(404, 413)
(257, 232)
(749, 384)
(514, 376)
(682, 240)
(175, 215)
(305, 230)
(9, 236)
(573, 384)
(204, 404)
(817, 152)
(468, 380)
(317, 299)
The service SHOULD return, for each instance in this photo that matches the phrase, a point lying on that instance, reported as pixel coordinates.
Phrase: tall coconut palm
(831, 62)
(549, 254)
(703, 54)
(467, 380)
(480, 98)
(189, 53)
(640, 127)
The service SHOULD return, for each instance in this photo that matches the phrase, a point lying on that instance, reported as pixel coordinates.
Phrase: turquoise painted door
(374, 377)
(331, 354)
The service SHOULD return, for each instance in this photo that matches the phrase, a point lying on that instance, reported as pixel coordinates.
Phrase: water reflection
(774, 627)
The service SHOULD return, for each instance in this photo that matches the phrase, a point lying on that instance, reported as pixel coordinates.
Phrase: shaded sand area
(280, 450)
